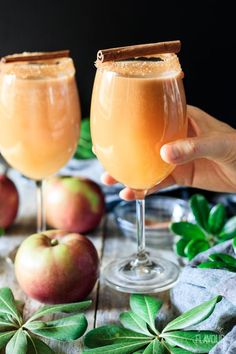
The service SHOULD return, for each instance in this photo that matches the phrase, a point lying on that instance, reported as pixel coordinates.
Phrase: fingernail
(127, 194)
(102, 179)
(170, 152)
(174, 152)
(122, 194)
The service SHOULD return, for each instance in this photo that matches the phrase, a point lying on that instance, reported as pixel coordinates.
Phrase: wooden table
(107, 303)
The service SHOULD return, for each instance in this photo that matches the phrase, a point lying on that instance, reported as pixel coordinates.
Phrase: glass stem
(41, 217)
(140, 212)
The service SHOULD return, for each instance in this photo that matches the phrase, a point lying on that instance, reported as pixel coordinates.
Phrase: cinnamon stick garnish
(35, 56)
(140, 50)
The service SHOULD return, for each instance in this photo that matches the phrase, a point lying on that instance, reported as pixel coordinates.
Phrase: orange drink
(39, 115)
(137, 106)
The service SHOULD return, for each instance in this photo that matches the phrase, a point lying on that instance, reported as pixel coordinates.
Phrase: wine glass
(137, 106)
(39, 116)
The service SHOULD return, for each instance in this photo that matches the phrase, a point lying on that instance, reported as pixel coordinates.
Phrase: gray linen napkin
(197, 285)
(227, 345)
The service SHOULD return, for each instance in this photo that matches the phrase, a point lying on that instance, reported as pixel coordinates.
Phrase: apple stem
(54, 242)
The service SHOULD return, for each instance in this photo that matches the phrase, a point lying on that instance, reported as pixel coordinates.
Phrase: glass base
(131, 276)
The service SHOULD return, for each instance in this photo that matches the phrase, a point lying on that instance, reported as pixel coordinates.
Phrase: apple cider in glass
(137, 106)
(39, 115)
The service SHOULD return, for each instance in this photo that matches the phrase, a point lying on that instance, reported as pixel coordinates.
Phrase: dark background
(206, 29)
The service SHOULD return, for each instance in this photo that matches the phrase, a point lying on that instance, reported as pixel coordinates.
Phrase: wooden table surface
(110, 244)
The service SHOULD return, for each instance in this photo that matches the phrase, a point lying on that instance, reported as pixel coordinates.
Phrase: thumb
(219, 148)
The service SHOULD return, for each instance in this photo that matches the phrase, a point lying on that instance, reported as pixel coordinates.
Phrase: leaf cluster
(138, 332)
(210, 228)
(22, 337)
(84, 147)
(220, 261)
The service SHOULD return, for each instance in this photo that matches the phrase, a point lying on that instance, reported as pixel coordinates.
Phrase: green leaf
(112, 334)
(64, 329)
(175, 350)
(196, 341)
(5, 324)
(8, 305)
(188, 230)
(234, 244)
(216, 219)
(36, 346)
(84, 153)
(212, 265)
(132, 321)
(155, 347)
(20, 305)
(229, 229)
(35, 325)
(225, 258)
(84, 147)
(85, 128)
(119, 348)
(195, 247)
(5, 337)
(66, 308)
(146, 307)
(1, 231)
(194, 316)
(18, 343)
(180, 246)
(200, 209)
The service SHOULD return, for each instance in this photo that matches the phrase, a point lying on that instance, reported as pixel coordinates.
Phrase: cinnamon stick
(140, 50)
(35, 56)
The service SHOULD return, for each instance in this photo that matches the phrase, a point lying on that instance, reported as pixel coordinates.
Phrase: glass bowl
(160, 211)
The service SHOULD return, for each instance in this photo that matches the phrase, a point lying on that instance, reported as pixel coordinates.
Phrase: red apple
(74, 204)
(56, 266)
(9, 201)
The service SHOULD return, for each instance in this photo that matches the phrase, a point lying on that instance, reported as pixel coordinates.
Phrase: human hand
(205, 159)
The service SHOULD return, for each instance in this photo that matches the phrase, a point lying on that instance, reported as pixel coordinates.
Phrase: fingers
(216, 147)
(127, 194)
(204, 123)
(208, 138)
(167, 182)
(107, 179)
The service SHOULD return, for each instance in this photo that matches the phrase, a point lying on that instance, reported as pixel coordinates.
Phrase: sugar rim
(169, 63)
(39, 69)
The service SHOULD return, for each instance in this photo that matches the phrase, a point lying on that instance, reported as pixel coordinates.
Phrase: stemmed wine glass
(137, 106)
(39, 116)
